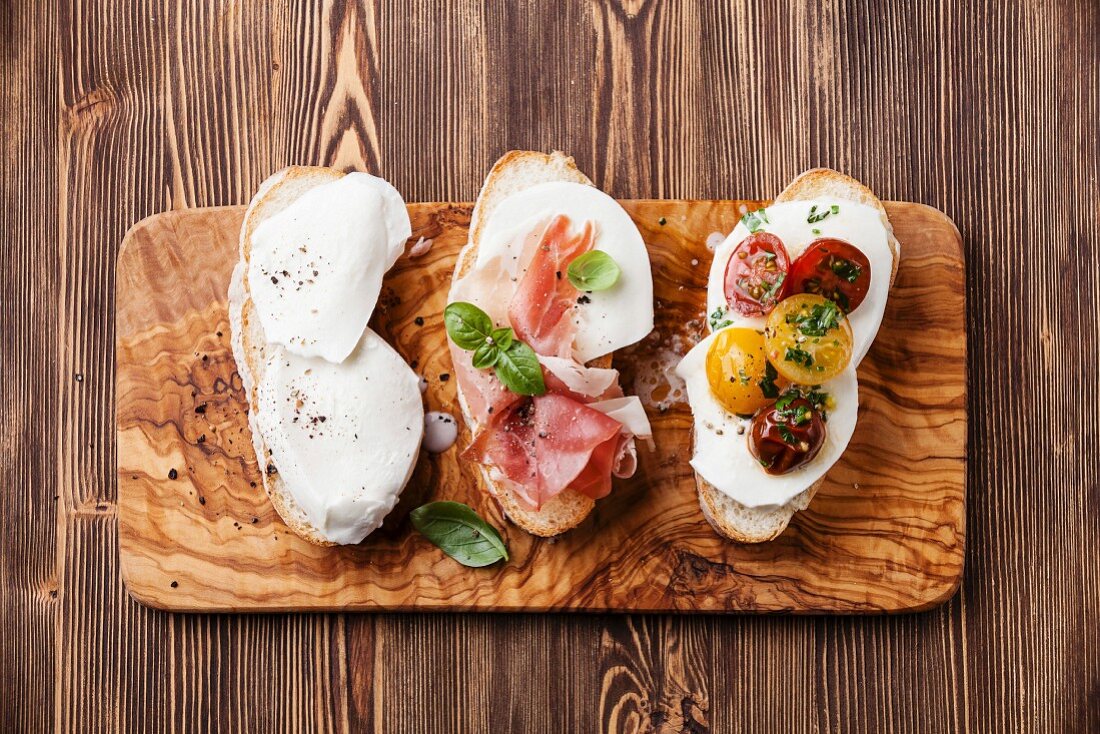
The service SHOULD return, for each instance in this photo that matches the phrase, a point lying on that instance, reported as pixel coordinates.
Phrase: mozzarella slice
(612, 318)
(343, 437)
(315, 268)
(857, 224)
(722, 455)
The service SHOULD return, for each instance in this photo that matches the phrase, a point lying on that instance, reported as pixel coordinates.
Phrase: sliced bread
(729, 517)
(515, 171)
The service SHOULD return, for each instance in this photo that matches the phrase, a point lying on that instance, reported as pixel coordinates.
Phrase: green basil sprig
(595, 270)
(515, 363)
(460, 533)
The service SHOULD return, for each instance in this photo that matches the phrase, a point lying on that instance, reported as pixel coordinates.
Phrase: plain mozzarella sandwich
(336, 414)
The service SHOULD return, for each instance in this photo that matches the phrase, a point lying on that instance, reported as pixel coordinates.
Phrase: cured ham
(550, 443)
(580, 433)
(545, 296)
(483, 392)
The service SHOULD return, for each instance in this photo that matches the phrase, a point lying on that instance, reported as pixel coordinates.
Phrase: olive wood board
(885, 533)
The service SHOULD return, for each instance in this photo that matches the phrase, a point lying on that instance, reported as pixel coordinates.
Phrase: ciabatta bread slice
(515, 171)
(729, 517)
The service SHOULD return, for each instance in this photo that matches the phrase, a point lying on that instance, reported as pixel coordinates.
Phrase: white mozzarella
(315, 268)
(857, 224)
(612, 318)
(343, 437)
(722, 455)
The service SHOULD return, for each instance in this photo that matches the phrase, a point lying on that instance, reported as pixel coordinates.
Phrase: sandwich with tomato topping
(795, 297)
(555, 278)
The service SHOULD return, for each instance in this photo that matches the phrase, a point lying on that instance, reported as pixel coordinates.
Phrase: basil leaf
(467, 325)
(519, 369)
(460, 533)
(503, 337)
(595, 270)
(486, 356)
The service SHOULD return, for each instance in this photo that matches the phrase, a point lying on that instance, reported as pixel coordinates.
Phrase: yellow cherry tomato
(808, 339)
(738, 371)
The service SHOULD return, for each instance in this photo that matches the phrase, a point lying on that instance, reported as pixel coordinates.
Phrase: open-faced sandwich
(555, 277)
(795, 297)
(336, 414)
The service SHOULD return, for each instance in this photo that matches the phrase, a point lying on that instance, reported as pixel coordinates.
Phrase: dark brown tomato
(756, 274)
(834, 269)
(786, 437)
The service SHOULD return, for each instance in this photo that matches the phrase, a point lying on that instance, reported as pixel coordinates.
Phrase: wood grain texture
(986, 110)
(197, 533)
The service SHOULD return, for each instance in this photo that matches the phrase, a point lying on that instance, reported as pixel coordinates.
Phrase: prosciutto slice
(545, 297)
(549, 443)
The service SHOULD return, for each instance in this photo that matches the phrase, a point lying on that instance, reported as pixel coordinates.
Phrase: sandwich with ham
(554, 278)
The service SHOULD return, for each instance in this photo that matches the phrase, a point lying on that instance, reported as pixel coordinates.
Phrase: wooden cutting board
(885, 533)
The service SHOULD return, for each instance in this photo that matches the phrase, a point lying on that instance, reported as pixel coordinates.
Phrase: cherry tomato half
(834, 269)
(807, 339)
(786, 434)
(756, 274)
(738, 373)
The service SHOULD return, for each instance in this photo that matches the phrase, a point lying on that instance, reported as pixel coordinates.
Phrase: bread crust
(514, 171)
(727, 516)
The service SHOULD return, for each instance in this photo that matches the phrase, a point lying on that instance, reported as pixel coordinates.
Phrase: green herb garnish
(460, 533)
(799, 356)
(823, 318)
(817, 399)
(816, 216)
(797, 415)
(773, 288)
(787, 398)
(767, 382)
(845, 269)
(515, 363)
(755, 221)
(786, 434)
(718, 319)
(595, 270)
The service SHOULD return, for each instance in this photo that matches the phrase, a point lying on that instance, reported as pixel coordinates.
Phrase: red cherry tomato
(834, 269)
(756, 274)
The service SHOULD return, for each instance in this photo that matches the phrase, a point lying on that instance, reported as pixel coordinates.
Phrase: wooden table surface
(114, 110)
